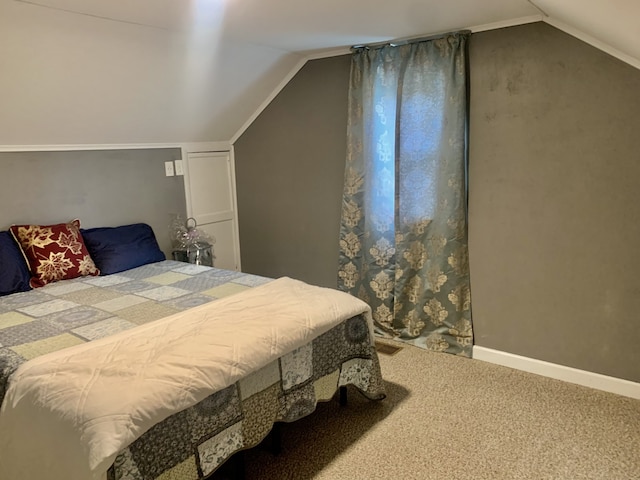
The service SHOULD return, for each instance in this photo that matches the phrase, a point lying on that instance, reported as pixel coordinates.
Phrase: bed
(157, 369)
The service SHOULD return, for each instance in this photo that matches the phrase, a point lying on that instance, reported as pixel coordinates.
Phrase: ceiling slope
(298, 26)
(177, 71)
(612, 25)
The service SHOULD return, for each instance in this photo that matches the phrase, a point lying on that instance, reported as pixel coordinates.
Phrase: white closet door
(211, 201)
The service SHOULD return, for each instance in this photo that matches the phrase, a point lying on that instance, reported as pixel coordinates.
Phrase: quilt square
(199, 283)
(260, 411)
(259, 380)
(214, 451)
(28, 332)
(215, 412)
(146, 312)
(186, 470)
(326, 387)
(163, 293)
(47, 308)
(225, 290)
(107, 281)
(90, 296)
(298, 403)
(10, 362)
(356, 371)
(46, 345)
(190, 268)
(75, 317)
(24, 299)
(133, 286)
(163, 446)
(11, 319)
(167, 278)
(297, 366)
(189, 301)
(120, 302)
(146, 271)
(224, 275)
(103, 328)
(59, 289)
(252, 280)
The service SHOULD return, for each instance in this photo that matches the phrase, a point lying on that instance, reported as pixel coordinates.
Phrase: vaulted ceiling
(163, 71)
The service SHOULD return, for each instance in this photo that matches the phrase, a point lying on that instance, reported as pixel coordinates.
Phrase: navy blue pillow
(115, 249)
(14, 272)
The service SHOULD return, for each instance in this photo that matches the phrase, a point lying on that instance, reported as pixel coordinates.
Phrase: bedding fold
(86, 403)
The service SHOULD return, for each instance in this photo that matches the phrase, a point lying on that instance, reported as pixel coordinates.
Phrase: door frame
(215, 147)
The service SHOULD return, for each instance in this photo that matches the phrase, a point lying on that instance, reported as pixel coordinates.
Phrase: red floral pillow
(54, 252)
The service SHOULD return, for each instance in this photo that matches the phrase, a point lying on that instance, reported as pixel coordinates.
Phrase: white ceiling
(213, 63)
(613, 23)
(299, 25)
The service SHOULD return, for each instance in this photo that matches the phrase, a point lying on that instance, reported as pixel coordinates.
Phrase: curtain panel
(403, 237)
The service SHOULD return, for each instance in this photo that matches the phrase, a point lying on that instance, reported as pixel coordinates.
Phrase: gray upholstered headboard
(103, 188)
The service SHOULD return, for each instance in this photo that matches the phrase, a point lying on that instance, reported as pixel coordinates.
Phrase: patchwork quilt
(75, 311)
(192, 443)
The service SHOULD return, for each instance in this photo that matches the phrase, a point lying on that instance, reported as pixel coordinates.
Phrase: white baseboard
(559, 372)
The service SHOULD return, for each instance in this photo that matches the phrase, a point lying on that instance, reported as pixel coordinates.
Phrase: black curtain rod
(405, 41)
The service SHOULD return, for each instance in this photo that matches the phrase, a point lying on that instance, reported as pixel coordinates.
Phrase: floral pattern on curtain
(403, 237)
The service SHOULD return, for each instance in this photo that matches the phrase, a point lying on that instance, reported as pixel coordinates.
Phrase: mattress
(193, 442)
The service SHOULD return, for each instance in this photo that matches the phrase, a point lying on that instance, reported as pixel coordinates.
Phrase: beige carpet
(451, 418)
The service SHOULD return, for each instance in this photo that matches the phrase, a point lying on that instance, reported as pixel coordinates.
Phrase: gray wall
(554, 203)
(103, 188)
(289, 174)
(554, 200)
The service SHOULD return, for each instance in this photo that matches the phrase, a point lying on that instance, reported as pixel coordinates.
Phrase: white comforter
(67, 414)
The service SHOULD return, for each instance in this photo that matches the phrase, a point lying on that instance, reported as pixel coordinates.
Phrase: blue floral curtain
(403, 238)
